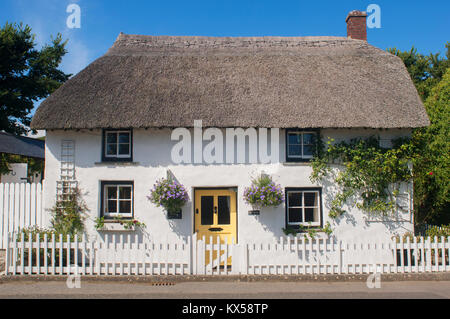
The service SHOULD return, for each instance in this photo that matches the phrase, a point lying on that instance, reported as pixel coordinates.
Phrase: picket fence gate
(126, 254)
(21, 206)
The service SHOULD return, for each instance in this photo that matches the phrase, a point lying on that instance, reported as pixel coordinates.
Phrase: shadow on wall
(181, 227)
(272, 219)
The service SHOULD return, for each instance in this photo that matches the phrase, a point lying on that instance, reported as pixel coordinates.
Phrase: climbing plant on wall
(367, 172)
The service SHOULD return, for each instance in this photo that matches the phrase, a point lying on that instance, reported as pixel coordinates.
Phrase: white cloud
(77, 57)
(46, 19)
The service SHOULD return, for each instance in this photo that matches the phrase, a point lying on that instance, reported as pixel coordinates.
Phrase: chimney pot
(356, 25)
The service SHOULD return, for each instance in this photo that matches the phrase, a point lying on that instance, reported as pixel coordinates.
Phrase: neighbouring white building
(109, 128)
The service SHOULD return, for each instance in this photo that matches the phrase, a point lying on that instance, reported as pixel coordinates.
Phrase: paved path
(226, 290)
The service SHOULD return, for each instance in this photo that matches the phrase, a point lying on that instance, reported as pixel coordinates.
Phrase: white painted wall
(151, 154)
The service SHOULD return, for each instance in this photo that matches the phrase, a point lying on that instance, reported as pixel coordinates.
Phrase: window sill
(116, 163)
(296, 232)
(304, 230)
(115, 226)
(299, 163)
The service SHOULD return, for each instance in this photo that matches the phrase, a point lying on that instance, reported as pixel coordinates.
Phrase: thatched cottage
(110, 127)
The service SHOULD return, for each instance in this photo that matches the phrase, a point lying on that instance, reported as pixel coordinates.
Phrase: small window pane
(308, 138)
(295, 215)
(124, 149)
(125, 207)
(111, 192)
(295, 199)
(223, 210)
(310, 199)
(294, 138)
(295, 150)
(124, 137)
(309, 215)
(308, 150)
(111, 206)
(207, 207)
(111, 149)
(124, 192)
(111, 138)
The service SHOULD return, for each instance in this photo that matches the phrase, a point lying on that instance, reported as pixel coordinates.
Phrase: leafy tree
(432, 164)
(431, 76)
(425, 71)
(26, 74)
(34, 164)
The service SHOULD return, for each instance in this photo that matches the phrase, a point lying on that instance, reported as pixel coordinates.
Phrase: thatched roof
(165, 81)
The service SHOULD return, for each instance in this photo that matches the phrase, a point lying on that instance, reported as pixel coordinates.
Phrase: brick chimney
(356, 25)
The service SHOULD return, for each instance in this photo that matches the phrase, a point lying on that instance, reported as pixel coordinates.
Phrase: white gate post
(201, 247)
(193, 255)
(240, 259)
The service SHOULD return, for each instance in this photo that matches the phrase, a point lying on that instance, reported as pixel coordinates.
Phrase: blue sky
(424, 24)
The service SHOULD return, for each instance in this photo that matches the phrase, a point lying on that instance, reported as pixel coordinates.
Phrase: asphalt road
(226, 290)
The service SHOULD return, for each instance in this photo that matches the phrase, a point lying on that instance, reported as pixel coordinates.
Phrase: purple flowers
(169, 194)
(263, 192)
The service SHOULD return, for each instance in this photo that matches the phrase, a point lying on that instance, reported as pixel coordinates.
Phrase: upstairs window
(300, 145)
(117, 145)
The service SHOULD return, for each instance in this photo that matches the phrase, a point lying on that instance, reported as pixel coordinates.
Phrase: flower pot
(254, 212)
(174, 213)
(256, 209)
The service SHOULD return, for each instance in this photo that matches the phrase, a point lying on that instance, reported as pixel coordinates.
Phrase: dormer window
(117, 145)
(300, 145)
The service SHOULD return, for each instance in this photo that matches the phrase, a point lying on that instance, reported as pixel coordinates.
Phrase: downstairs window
(303, 207)
(117, 199)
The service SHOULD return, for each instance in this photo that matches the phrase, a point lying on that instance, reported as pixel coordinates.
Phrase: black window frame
(102, 197)
(303, 189)
(116, 158)
(297, 130)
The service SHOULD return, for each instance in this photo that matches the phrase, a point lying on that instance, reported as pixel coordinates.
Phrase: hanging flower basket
(170, 195)
(174, 213)
(263, 193)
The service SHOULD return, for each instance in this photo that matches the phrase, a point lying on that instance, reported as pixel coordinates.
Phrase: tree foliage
(34, 164)
(432, 163)
(26, 74)
(431, 76)
(425, 71)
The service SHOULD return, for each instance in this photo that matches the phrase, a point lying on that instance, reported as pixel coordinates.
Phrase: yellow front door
(215, 215)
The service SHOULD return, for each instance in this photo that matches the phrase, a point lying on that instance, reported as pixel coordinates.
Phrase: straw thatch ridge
(306, 82)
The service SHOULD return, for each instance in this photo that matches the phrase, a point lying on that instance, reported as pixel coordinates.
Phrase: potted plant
(169, 194)
(263, 193)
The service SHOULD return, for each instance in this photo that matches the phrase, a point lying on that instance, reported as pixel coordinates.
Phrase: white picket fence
(126, 254)
(21, 205)
(325, 256)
